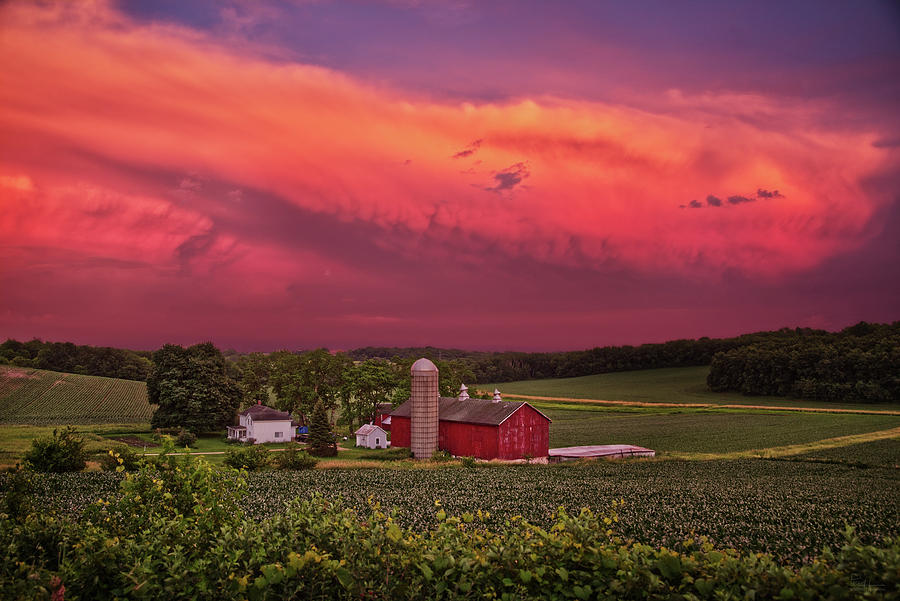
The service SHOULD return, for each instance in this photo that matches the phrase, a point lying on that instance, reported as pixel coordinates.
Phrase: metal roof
(262, 413)
(367, 429)
(471, 411)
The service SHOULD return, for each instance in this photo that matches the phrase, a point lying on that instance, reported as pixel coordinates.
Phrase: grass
(38, 397)
(701, 431)
(16, 439)
(669, 385)
(876, 453)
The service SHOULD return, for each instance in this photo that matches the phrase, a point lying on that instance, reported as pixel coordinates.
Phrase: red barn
(482, 429)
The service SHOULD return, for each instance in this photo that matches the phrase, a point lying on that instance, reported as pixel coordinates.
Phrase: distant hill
(34, 396)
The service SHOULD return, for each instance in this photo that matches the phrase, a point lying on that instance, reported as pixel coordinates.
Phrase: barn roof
(262, 413)
(367, 429)
(471, 411)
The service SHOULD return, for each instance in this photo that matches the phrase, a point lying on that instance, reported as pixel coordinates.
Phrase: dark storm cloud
(761, 193)
(468, 151)
(736, 200)
(509, 178)
(713, 201)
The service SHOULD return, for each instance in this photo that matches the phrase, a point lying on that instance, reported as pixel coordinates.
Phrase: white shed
(371, 437)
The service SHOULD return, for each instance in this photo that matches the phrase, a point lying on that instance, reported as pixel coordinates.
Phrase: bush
(61, 452)
(251, 457)
(441, 456)
(124, 457)
(16, 501)
(468, 462)
(293, 458)
(186, 438)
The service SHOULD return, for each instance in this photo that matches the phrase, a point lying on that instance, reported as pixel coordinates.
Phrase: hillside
(34, 396)
(670, 385)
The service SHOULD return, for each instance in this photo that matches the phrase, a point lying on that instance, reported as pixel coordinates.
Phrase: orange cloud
(550, 174)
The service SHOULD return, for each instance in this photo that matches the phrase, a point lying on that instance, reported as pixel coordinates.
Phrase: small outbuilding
(260, 423)
(371, 436)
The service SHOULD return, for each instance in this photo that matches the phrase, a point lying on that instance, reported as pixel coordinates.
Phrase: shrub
(62, 452)
(292, 458)
(124, 457)
(441, 456)
(251, 457)
(468, 462)
(186, 438)
(19, 488)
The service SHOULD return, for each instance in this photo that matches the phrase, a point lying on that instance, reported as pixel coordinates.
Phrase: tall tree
(368, 384)
(301, 380)
(193, 388)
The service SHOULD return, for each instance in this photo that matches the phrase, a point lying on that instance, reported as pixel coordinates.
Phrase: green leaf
(344, 577)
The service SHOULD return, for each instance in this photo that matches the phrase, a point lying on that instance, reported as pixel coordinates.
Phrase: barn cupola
(496, 398)
(463, 393)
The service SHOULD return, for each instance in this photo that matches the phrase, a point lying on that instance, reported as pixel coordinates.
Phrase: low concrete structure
(608, 451)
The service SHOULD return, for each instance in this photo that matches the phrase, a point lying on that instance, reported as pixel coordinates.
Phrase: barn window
(278, 435)
(377, 441)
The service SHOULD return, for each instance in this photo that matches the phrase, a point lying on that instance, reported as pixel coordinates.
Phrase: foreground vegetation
(788, 508)
(145, 541)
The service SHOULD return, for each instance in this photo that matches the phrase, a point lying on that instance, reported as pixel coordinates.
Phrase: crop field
(699, 430)
(878, 453)
(791, 509)
(33, 396)
(669, 385)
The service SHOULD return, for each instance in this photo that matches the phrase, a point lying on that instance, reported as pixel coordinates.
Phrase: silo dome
(423, 364)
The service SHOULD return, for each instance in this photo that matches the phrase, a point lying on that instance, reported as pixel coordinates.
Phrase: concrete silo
(423, 426)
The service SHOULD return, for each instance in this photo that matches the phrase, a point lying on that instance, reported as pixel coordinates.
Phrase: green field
(669, 385)
(791, 509)
(34, 396)
(701, 430)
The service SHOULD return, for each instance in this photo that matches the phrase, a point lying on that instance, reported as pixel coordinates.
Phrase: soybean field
(789, 508)
(38, 397)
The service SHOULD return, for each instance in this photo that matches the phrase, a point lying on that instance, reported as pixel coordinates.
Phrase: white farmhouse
(263, 424)
(371, 437)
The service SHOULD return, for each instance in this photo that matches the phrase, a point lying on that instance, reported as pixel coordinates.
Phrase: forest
(82, 359)
(858, 364)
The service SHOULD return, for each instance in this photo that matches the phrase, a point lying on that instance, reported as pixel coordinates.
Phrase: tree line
(198, 389)
(81, 359)
(858, 364)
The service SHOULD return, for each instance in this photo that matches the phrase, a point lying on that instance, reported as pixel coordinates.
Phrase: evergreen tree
(321, 440)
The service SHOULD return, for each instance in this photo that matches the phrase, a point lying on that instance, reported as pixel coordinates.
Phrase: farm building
(371, 436)
(260, 424)
(465, 427)
(383, 416)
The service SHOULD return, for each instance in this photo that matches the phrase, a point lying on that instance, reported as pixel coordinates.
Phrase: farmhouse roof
(262, 413)
(367, 429)
(451, 409)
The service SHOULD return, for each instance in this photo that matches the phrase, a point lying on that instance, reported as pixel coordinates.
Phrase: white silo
(423, 415)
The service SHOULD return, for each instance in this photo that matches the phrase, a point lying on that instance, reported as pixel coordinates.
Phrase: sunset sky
(481, 175)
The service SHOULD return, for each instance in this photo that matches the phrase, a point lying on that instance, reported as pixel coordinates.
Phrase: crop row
(789, 509)
(50, 397)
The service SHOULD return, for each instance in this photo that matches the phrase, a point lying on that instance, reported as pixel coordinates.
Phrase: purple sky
(484, 175)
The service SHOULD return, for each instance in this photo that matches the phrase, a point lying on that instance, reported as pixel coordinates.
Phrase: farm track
(666, 404)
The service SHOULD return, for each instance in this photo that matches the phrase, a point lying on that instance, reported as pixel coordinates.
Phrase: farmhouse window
(278, 435)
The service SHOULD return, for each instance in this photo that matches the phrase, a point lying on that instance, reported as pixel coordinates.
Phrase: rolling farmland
(33, 396)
